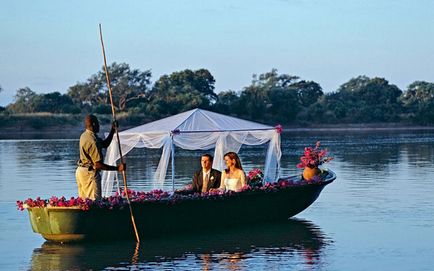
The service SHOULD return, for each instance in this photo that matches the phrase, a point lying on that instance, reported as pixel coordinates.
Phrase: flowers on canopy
(278, 128)
(313, 157)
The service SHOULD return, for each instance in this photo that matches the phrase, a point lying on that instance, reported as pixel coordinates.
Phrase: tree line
(269, 98)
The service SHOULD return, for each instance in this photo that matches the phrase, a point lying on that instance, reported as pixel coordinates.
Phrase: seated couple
(208, 179)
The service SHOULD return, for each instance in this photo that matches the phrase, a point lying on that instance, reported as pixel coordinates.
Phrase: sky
(52, 45)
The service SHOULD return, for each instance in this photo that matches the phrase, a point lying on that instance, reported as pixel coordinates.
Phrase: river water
(377, 215)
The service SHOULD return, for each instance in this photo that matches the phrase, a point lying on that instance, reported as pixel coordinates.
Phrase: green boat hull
(66, 224)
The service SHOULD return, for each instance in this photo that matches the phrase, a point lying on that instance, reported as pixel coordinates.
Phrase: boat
(159, 213)
(175, 213)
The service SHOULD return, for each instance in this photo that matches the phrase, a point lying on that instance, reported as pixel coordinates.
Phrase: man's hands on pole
(122, 167)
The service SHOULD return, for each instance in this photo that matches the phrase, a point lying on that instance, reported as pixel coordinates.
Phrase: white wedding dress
(232, 184)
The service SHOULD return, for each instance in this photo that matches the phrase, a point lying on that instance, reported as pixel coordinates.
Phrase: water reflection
(295, 241)
(421, 154)
(46, 150)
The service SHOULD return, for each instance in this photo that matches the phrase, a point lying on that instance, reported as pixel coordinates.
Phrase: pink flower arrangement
(255, 177)
(255, 174)
(313, 157)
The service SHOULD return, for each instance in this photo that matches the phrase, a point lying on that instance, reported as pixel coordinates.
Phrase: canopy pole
(117, 183)
(173, 164)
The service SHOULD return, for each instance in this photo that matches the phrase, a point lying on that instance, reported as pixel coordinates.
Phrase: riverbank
(356, 127)
(69, 126)
(74, 131)
(57, 126)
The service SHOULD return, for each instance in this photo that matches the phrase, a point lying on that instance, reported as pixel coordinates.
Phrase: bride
(233, 177)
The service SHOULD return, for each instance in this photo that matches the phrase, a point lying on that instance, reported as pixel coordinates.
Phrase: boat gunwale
(169, 201)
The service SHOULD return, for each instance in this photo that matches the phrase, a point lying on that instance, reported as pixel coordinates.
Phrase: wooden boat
(166, 216)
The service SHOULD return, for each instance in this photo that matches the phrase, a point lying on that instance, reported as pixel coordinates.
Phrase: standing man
(91, 159)
(207, 177)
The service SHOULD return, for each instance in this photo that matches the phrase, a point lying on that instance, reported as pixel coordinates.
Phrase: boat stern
(57, 224)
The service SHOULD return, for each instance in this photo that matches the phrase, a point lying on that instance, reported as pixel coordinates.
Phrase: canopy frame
(196, 129)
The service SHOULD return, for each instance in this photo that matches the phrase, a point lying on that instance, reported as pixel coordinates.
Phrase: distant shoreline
(358, 127)
(73, 132)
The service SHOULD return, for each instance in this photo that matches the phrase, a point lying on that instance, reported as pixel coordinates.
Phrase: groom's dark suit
(213, 182)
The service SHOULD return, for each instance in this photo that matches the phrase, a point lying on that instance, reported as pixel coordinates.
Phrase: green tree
(254, 100)
(27, 101)
(274, 97)
(25, 94)
(284, 105)
(54, 103)
(360, 100)
(129, 86)
(228, 102)
(308, 92)
(23, 101)
(369, 100)
(181, 91)
(267, 96)
(2, 108)
(330, 108)
(87, 95)
(418, 101)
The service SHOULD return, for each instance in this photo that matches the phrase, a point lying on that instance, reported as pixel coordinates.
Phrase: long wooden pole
(117, 134)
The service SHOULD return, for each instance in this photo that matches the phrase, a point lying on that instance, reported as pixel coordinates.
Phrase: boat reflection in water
(295, 242)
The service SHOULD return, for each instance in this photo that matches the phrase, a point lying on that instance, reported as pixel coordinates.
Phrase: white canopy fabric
(196, 129)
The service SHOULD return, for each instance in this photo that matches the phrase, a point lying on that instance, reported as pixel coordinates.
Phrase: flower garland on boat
(112, 202)
(119, 201)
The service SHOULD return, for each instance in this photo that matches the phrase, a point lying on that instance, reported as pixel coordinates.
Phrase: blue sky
(51, 45)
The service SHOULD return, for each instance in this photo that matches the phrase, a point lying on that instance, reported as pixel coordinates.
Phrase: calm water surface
(378, 214)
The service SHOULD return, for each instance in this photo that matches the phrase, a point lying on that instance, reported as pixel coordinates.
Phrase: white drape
(195, 130)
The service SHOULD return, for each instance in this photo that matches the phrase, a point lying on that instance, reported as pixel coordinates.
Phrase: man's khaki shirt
(90, 149)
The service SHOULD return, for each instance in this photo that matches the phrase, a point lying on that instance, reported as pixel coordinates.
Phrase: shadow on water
(223, 247)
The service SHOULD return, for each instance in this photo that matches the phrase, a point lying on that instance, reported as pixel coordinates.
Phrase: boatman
(91, 159)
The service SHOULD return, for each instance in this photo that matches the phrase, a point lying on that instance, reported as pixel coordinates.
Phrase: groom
(207, 177)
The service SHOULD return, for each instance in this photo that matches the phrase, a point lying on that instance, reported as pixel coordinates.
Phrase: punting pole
(117, 134)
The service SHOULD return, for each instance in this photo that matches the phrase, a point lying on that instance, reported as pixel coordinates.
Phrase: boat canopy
(196, 129)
